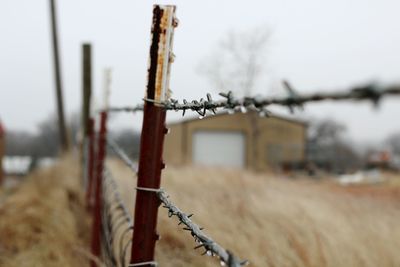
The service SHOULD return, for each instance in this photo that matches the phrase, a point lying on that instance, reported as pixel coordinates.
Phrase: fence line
(112, 223)
(110, 213)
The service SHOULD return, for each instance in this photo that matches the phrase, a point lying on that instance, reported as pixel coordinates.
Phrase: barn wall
(280, 141)
(173, 145)
(269, 141)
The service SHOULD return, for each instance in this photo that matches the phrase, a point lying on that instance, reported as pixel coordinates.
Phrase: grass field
(269, 221)
(43, 222)
(279, 221)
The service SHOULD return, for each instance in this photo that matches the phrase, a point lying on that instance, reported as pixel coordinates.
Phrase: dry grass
(43, 223)
(270, 221)
(278, 222)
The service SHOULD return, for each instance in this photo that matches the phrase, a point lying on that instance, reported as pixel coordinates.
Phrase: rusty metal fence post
(152, 137)
(101, 152)
(90, 163)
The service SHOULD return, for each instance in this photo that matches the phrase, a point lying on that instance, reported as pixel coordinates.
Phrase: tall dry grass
(276, 222)
(270, 221)
(44, 223)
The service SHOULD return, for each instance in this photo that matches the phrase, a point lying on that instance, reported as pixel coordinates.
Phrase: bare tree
(326, 132)
(44, 143)
(328, 148)
(238, 62)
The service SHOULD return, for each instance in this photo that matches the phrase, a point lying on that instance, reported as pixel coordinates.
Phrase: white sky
(316, 45)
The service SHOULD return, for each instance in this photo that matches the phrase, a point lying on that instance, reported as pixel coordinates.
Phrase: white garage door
(219, 148)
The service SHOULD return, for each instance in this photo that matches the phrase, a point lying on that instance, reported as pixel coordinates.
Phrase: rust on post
(152, 138)
(91, 163)
(101, 152)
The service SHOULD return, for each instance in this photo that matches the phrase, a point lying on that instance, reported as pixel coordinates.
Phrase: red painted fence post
(2, 151)
(152, 137)
(91, 164)
(101, 152)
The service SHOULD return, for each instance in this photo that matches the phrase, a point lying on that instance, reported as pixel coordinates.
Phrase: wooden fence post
(86, 86)
(152, 138)
(85, 120)
(57, 74)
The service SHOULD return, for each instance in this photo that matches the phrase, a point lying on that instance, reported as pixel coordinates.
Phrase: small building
(17, 165)
(243, 140)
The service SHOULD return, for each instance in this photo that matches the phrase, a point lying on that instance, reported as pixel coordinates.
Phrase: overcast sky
(316, 45)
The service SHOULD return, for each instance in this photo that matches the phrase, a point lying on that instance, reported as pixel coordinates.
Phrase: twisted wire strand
(370, 92)
(211, 247)
(134, 109)
(112, 221)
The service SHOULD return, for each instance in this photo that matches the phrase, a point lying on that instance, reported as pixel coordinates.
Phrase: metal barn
(243, 140)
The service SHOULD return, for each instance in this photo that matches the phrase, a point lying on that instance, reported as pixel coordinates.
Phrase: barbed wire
(115, 214)
(259, 104)
(121, 154)
(370, 92)
(136, 108)
(211, 247)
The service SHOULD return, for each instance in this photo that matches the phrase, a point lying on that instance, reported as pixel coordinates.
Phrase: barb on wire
(121, 154)
(210, 246)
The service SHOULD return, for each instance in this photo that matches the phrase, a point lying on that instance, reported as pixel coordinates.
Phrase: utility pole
(57, 74)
